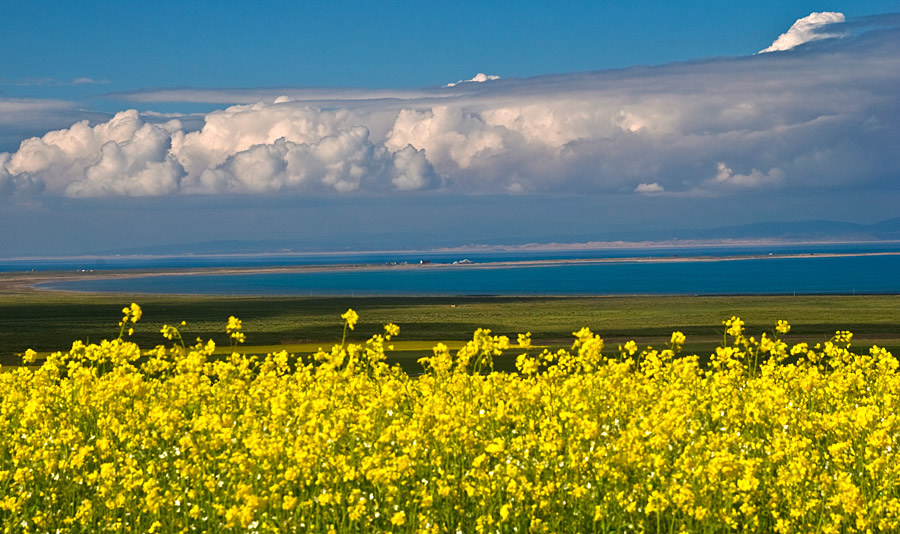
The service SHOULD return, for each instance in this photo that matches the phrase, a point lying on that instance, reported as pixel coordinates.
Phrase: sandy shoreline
(27, 282)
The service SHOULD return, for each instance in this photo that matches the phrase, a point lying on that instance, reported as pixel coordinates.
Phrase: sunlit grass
(49, 322)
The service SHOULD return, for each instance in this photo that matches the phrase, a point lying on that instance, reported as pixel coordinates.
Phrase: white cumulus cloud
(649, 189)
(411, 170)
(478, 78)
(259, 148)
(123, 156)
(755, 178)
(809, 28)
(823, 119)
(86, 80)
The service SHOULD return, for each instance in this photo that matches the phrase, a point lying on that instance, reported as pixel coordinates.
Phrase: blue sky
(138, 45)
(662, 113)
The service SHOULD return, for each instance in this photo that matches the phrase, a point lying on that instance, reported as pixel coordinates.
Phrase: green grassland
(49, 321)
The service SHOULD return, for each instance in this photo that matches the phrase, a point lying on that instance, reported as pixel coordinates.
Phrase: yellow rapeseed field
(768, 437)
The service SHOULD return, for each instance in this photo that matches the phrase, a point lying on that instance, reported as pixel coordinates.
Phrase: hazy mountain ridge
(820, 230)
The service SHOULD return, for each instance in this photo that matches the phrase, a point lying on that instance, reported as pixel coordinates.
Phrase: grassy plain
(49, 321)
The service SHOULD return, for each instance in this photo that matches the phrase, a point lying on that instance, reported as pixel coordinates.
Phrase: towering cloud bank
(261, 148)
(816, 117)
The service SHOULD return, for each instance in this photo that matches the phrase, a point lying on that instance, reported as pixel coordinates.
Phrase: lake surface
(768, 275)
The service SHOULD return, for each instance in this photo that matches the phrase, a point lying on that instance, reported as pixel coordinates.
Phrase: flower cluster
(765, 438)
(233, 329)
(130, 314)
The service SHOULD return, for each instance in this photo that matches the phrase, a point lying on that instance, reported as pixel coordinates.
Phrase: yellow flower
(168, 332)
(351, 317)
(524, 340)
(734, 326)
(129, 313)
(495, 446)
(233, 329)
(390, 329)
(399, 518)
(237, 442)
(782, 327)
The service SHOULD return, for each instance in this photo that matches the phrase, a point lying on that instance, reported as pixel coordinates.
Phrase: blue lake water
(805, 275)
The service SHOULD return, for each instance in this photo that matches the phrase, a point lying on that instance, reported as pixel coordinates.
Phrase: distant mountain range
(788, 231)
(805, 231)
